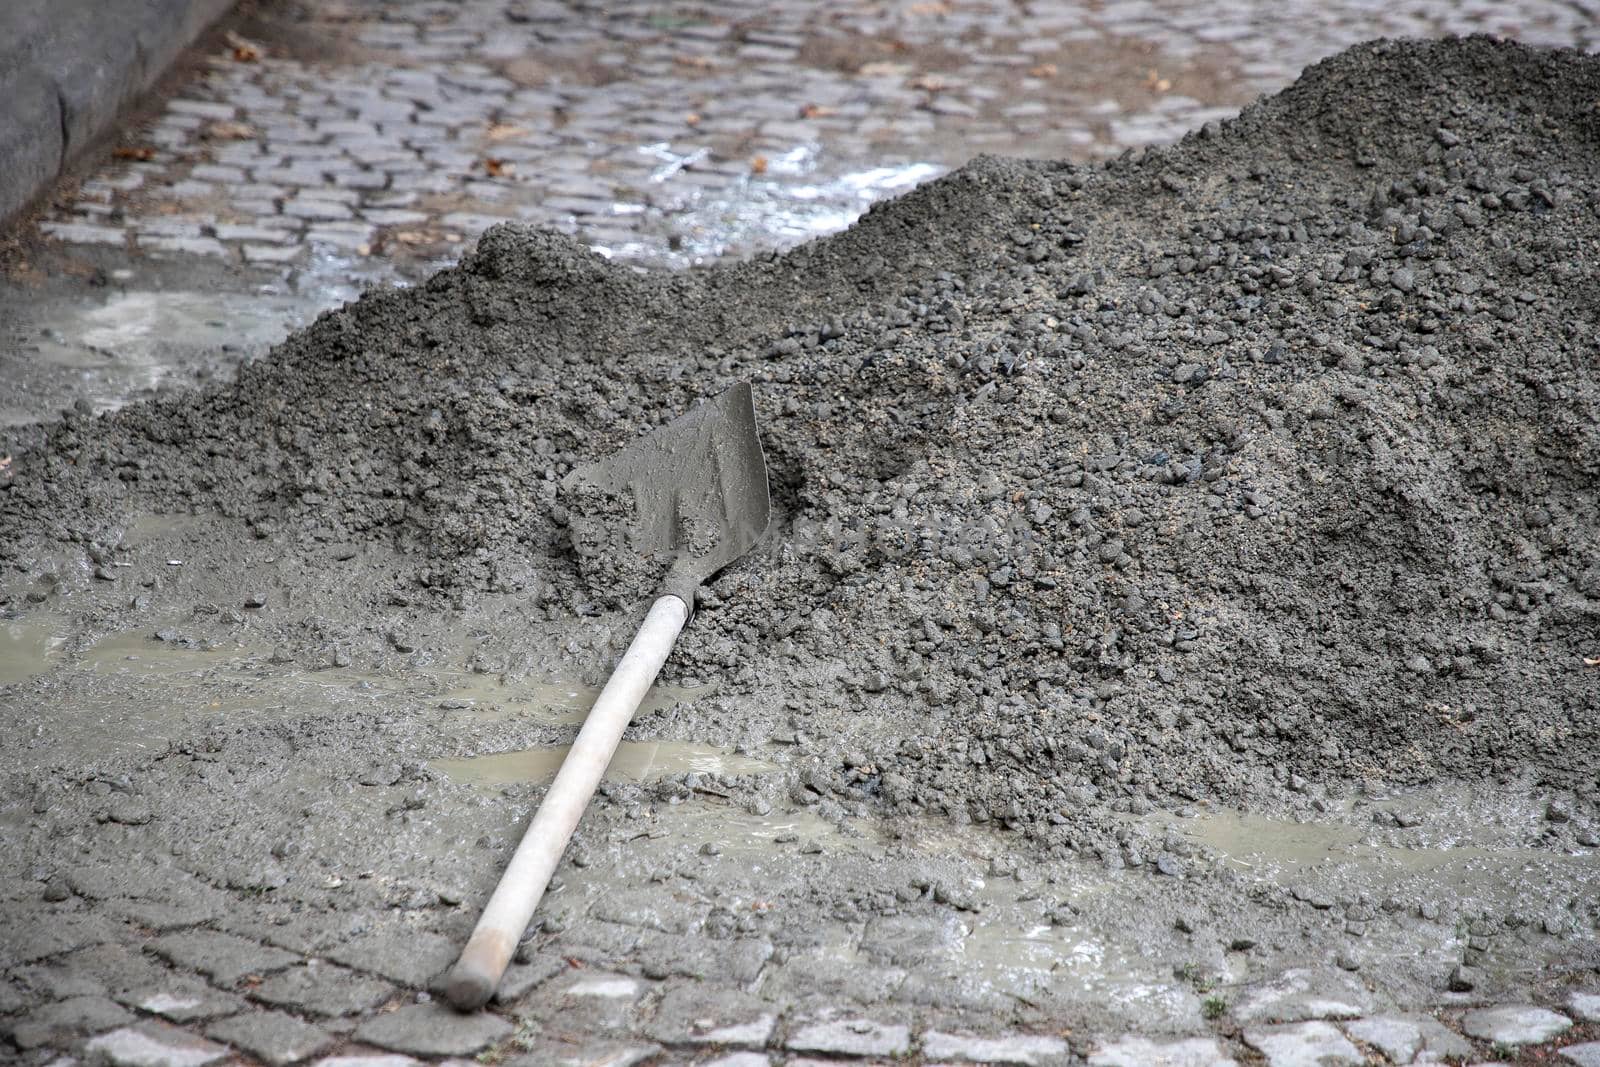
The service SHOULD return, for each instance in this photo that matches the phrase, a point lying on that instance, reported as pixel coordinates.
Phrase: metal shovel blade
(698, 487)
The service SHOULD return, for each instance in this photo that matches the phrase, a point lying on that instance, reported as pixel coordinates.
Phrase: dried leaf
(1587, 662)
(1044, 70)
(228, 131)
(498, 168)
(695, 62)
(692, 118)
(140, 152)
(815, 111)
(244, 50)
(758, 165)
(931, 82)
(504, 131)
(1154, 80)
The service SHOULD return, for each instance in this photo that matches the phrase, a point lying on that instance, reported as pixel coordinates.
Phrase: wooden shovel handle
(476, 974)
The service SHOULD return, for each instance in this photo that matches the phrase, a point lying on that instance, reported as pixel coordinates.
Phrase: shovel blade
(698, 487)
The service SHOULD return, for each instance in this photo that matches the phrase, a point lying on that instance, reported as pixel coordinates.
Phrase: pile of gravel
(1265, 462)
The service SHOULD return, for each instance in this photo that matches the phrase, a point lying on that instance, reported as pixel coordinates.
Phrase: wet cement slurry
(717, 911)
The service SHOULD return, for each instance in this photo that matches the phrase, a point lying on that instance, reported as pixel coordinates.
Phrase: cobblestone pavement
(328, 144)
(673, 134)
(341, 142)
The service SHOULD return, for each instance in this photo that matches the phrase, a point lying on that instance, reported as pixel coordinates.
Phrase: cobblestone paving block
(1301, 994)
(412, 958)
(182, 1000)
(153, 1044)
(221, 957)
(273, 1037)
(802, 976)
(1585, 1055)
(433, 1030)
(64, 1020)
(1585, 1006)
(740, 1059)
(852, 1037)
(551, 1053)
(1028, 1050)
(1310, 1044)
(1403, 1039)
(712, 1014)
(520, 978)
(324, 989)
(85, 233)
(1515, 1024)
(367, 1059)
(1143, 1052)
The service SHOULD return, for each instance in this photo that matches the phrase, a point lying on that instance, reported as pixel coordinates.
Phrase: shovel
(699, 489)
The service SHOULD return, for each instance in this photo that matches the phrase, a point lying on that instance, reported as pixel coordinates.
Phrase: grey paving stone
(317, 210)
(1144, 1052)
(202, 109)
(188, 246)
(433, 1030)
(270, 234)
(182, 999)
(324, 989)
(1029, 1050)
(209, 172)
(521, 977)
(271, 253)
(852, 1037)
(558, 1053)
(222, 957)
(1585, 1055)
(394, 216)
(1515, 1024)
(1302, 994)
(65, 1019)
(1585, 1006)
(709, 1013)
(1310, 1044)
(85, 233)
(272, 1037)
(412, 958)
(367, 1059)
(740, 1059)
(1408, 1039)
(153, 1044)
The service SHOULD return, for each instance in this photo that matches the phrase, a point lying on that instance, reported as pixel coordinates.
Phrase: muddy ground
(1184, 575)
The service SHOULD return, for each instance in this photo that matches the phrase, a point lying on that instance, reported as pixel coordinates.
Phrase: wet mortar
(1115, 501)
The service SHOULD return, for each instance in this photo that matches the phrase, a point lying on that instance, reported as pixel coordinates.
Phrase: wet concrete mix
(1264, 465)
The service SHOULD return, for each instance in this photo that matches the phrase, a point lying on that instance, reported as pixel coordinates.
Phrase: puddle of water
(140, 653)
(27, 648)
(554, 702)
(1459, 862)
(140, 340)
(777, 210)
(636, 761)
